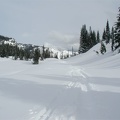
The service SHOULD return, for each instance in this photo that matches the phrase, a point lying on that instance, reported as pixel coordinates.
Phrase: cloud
(63, 41)
(57, 36)
(25, 35)
(32, 23)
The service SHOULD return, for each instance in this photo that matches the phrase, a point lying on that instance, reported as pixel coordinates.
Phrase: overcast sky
(55, 22)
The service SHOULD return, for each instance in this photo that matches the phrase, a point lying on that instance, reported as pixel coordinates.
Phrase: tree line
(16, 52)
(90, 38)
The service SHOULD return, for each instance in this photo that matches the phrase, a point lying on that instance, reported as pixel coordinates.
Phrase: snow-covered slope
(85, 87)
(107, 65)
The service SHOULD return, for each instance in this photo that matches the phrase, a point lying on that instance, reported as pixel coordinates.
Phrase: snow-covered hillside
(84, 87)
(105, 64)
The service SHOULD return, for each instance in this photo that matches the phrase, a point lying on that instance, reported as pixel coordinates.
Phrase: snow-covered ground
(85, 87)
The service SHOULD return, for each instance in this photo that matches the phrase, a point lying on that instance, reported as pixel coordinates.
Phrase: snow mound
(97, 60)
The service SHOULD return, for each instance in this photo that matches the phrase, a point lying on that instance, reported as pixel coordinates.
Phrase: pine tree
(117, 32)
(98, 37)
(90, 37)
(103, 48)
(3, 53)
(15, 52)
(84, 42)
(104, 35)
(43, 53)
(7, 51)
(47, 53)
(87, 39)
(112, 38)
(94, 38)
(36, 56)
(21, 54)
(107, 33)
(27, 54)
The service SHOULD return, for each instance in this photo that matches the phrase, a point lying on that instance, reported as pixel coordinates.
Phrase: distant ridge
(4, 38)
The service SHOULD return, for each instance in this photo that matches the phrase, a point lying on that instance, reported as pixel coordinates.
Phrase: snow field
(85, 87)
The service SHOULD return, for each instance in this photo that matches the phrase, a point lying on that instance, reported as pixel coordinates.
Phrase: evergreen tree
(36, 56)
(103, 48)
(84, 42)
(107, 33)
(21, 54)
(90, 37)
(16, 52)
(47, 53)
(43, 53)
(56, 56)
(98, 37)
(87, 39)
(104, 35)
(7, 52)
(3, 53)
(112, 38)
(94, 38)
(27, 54)
(117, 32)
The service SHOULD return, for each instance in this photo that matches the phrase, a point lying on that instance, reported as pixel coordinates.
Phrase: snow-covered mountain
(10, 42)
(7, 40)
(54, 52)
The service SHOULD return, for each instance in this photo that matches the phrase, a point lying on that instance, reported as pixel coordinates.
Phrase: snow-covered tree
(27, 54)
(47, 53)
(16, 53)
(36, 56)
(84, 41)
(112, 38)
(87, 39)
(94, 39)
(104, 35)
(90, 37)
(107, 37)
(21, 54)
(117, 32)
(98, 37)
(103, 48)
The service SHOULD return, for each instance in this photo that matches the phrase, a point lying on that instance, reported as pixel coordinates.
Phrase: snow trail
(73, 89)
(76, 78)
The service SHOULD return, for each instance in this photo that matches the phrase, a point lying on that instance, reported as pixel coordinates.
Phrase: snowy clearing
(85, 87)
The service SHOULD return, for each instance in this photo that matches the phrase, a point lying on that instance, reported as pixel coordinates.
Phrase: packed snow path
(56, 90)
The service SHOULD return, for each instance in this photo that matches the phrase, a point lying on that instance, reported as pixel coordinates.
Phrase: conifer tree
(98, 37)
(21, 54)
(90, 37)
(87, 39)
(117, 32)
(43, 53)
(104, 35)
(94, 38)
(84, 42)
(47, 53)
(107, 33)
(27, 54)
(103, 48)
(36, 56)
(16, 52)
(112, 38)
(7, 51)
(3, 54)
